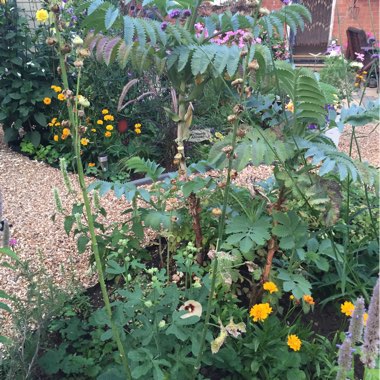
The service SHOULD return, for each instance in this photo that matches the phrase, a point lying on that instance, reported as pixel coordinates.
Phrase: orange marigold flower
(294, 342)
(309, 299)
(61, 97)
(47, 101)
(260, 312)
(100, 122)
(270, 287)
(56, 138)
(109, 127)
(108, 134)
(91, 164)
(66, 131)
(84, 141)
(109, 118)
(347, 308)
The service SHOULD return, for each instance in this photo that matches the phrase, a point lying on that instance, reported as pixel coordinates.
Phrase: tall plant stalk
(74, 125)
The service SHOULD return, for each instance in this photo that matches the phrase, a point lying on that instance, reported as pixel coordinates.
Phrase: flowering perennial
(260, 312)
(294, 342)
(270, 287)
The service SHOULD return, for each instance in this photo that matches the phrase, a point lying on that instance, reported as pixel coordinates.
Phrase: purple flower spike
(175, 13)
(312, 126)
(164, 25)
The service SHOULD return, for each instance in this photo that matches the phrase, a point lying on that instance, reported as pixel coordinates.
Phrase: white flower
(83, 101)
(77, 41)
(192, 307)
(358, 65)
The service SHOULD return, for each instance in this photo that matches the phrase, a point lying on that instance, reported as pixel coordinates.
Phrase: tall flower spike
(57, 199)
(356, 324)
(344, 359)
(371, 332)
(66, 179)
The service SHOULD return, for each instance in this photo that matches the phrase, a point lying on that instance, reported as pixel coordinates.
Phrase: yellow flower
(219, 136)
(42, 15)
(356, 85)
(105, 111)
(291, 297)
(294, 342)
(57, 124)
(270, 286)
(108, 134)
(308, 299)
(260, 312)
(347, 308)
(290, 106)
(109, 118)
(56, 88)
(93, 130)
(365, 317)
(109, 127)
(53, 120)
(84, 141)
(61, 97)
(100, 122)
(66, 132)
(91, 164)
(137, 126)
(55, 137)
(47, 101)
(63, 137)
(137, 131)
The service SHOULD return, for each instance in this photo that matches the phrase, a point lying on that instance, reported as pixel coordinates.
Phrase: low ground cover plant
(235, 274)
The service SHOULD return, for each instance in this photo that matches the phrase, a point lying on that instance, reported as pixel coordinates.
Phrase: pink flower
(359, 56)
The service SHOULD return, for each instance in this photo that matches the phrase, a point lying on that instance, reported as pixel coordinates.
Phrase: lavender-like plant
(344, 359)
(355, 329)
(372, 332)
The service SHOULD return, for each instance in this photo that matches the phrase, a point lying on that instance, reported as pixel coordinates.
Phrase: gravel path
(27, 188)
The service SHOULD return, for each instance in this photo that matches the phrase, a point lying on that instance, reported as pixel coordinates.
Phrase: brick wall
(363, 20)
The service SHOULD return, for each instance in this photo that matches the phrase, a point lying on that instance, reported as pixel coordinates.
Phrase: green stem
(89, 215)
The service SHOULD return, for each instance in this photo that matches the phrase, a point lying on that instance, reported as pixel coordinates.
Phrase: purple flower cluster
(231, 38)
(164, 25)
(176, 13)
(286, 2)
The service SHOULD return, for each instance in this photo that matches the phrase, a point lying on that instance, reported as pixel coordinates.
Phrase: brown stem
(195, 210)
(272, 248)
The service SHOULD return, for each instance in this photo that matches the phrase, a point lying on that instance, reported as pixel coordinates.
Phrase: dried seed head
(239, 108)
(65, 123)
(248, 91)
(66, 49)
(231, 118)
(51, 41)
(78, 63)
(234, 172)
(241, 132)
(68, 94)
(243, 53)
(254, 65)
(216, 211)
(55, 8)
(237, 82)
(83, 53)
(82, 129)
(81, 113)
(227, 149)
(59, 70)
